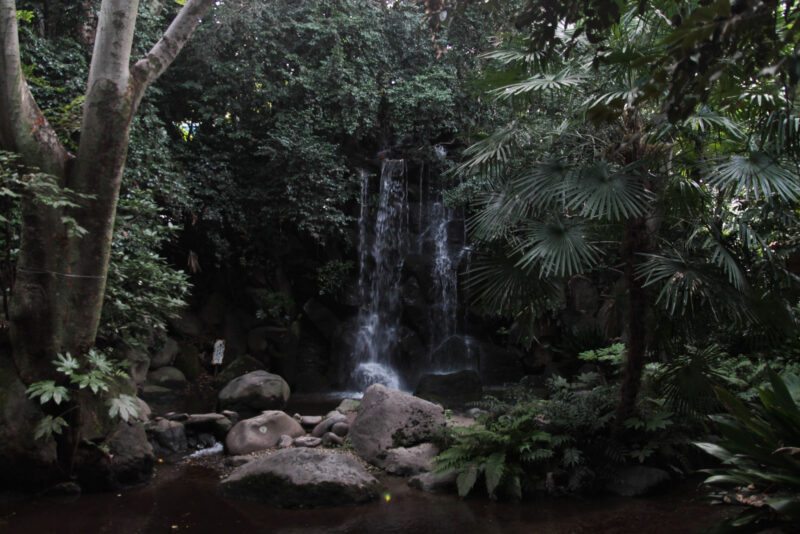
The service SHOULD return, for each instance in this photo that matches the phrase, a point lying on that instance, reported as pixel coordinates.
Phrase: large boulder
(166, 436)
(235, 335)
(25, 463)
(261, 432)
(187, 324)
(167, 377)
(388, 419)
(637, 480)
(129, 462)
(348, 405)
(403, 461)
(238, 367)
(291, 478)
(165, 355)
(255, 392)
(215, 424)
(139, 365)
(187, 361)
(456, 388)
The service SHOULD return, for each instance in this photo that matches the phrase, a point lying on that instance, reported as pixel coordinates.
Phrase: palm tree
(590, 153)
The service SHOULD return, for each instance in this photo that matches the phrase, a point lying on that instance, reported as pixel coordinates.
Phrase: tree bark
(637, 240)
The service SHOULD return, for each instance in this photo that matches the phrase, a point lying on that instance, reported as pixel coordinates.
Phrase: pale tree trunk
(58, 292)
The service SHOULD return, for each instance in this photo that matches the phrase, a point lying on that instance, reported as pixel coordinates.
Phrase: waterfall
(443, 318)
(409, 321)
(382, 253)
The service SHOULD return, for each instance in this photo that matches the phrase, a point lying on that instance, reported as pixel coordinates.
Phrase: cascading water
(443, 316)
(448, 251)
(381, 264)
(409, 323)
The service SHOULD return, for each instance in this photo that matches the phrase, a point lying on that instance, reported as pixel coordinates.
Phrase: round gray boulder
(292, 478)
(261, 432)
(255, 392)
(410, 461)
(388, 419)
(167, 377)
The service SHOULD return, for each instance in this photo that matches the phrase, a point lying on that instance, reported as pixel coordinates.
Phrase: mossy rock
(238, 367)
(188, 362)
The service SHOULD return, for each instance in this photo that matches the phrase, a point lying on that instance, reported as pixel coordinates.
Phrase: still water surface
(181, 498)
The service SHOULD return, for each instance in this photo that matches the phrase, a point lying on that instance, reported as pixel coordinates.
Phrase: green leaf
(495, 468)
(124, 406)
(46, 390)
(558, 247)
(466, 480)
(48, 426)
(758, 175)
(66, 364)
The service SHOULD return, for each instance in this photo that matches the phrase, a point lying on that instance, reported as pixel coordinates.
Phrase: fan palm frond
(780, 131)
(495, 151)
(687, 382)
(685, 198)
(599, 193)
(500, 209)
(706, 119)
(541, 82)
(687, 284)
(725, 259)
(558, 247)
(758, 175)
(542, 184)
(499, 285)
(512, 57)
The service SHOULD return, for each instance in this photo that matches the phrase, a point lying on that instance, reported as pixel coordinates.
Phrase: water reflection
(182, 499)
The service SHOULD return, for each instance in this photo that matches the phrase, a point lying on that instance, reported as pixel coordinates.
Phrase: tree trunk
(58, 290)
(637, 240)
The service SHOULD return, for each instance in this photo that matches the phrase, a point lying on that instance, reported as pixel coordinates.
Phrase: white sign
(219, 352)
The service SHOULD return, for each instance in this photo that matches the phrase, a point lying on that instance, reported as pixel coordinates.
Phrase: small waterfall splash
(382, 254)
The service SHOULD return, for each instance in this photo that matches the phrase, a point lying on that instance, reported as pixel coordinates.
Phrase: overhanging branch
(23, 128)
(164, 52)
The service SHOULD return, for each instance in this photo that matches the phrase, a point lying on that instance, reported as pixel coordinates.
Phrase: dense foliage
(297, 100)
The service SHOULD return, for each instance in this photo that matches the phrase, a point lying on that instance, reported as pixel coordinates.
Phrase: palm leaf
(558, 247)
(684, 283)
(705, 119)
(495, 151)
(722, 257)
(542, 184)
(599, 193)
(499, 285)
(541, 82)
(758, 175)
(500, 209)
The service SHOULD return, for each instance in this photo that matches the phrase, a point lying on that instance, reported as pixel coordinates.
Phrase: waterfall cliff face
(410, 251)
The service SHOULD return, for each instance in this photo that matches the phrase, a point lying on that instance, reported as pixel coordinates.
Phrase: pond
(181, 498)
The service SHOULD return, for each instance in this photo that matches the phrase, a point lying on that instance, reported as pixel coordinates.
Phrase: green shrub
(759, 448)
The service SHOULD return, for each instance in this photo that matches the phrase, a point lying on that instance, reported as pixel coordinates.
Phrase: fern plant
(500, 450)
(524, 441)
(96, 373)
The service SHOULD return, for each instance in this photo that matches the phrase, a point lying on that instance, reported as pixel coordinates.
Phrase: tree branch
(164, 52)
(112, 49)
(23, 127)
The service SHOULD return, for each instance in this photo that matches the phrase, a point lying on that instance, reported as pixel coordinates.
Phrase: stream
(181, 498)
